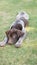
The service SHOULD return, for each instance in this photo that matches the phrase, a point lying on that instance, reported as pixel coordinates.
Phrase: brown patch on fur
(17, 26)
(13, 35)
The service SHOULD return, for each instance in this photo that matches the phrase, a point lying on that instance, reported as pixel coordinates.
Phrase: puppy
(20, 24)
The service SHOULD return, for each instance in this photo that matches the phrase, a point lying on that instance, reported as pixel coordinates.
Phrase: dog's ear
(7, 32)
(20, 33)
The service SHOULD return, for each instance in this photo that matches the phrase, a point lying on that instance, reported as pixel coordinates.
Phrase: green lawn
(27, 54)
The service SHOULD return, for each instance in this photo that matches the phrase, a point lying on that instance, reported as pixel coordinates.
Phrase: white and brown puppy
(20, 24)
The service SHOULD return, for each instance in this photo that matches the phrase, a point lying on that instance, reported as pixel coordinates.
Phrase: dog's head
(13, 35)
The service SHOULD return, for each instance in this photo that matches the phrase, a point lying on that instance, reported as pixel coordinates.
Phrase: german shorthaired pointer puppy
(17, 32)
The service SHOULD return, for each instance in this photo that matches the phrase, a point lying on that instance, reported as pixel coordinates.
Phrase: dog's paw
(2, 44)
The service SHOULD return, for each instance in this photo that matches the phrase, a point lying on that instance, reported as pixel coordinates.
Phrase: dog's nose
(10, 42)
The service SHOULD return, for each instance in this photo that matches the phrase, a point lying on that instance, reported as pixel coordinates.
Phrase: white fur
(25, 15)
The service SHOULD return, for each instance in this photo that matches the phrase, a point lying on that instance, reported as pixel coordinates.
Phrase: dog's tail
(22, 14)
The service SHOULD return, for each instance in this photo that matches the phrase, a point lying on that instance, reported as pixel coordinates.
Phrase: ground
(27, 54)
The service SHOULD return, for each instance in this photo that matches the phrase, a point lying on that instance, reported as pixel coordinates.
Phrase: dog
(20, 25)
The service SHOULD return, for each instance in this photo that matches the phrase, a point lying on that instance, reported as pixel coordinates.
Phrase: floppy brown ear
(20, 33)
(7, 32)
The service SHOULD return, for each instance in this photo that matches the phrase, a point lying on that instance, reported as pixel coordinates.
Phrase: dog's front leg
(3, 42)
(19, 42)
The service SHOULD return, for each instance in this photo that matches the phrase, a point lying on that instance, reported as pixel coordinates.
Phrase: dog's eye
(10, 35)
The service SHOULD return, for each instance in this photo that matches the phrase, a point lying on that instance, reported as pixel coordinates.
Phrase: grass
(27, 54)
